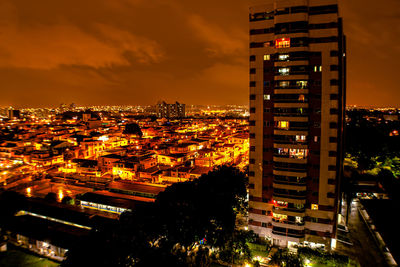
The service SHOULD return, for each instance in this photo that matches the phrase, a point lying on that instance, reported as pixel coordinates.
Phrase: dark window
(252, 58)
(318, 10)
(252, 110)
(264, 212)
(252, 97)
(252, 71)
(334, 67)
(256, 45)
(252, 161)
(331, 195)
(334, 53)
(251, 186)
(267, 110)
(252, 174)
(333, 140)
(252, 84)
(261, 31)
(323, 26)
(334, 82)
(282, 11)
(252, 136)
(333, 125)
(334, 111)
(334, 96)
(299, 9)
(332, 153)
(264, 225)
(261, 16)
(320, 40)
(331, 168)
(315, 194)
(252, 148)
(252, 123)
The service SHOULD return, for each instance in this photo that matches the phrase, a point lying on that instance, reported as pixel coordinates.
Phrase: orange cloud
(220, 41)
(46, 47)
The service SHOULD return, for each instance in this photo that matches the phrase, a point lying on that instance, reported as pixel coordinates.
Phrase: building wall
(297, 101)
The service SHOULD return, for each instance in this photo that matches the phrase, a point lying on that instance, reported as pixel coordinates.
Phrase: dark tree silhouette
(51, 197)
(133, 128)
(169, 232)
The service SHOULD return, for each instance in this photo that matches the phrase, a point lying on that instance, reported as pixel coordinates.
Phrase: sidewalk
(364, 248)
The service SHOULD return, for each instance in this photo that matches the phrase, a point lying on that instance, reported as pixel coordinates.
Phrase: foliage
(51, 197)
(68, 200)
(133, 128)
(284, 258)
(322, 257)
(237, 250)
(168, 232)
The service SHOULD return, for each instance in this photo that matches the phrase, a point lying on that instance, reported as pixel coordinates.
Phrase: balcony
(289, 196)
(276, 221)
(284, 232)
(285, 167)
(288, 181)
(295, 211)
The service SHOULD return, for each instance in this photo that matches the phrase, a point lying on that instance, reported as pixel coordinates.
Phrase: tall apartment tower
(170, 111)
(297, 108)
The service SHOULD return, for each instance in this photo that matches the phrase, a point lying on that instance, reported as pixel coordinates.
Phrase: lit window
(267, 44)
(302, 84)
(302, 98)
(267, 57)
(298, 153)
(267, 97)
(316, 139)
(282, 43)
(283, 125)
(283, 57)
(301, 138)
(317, 68)
(284, 71)
(314, 206)
(284, 84)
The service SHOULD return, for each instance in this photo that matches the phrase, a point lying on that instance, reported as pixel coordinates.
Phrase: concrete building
(14, 114)
(176, 110)
(297, 104)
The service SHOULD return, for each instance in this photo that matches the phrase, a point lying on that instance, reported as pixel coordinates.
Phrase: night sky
(128, 52)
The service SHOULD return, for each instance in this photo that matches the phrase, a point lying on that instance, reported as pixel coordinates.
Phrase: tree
(284, 258)
(51, 197)
(68, 200)
(133, 128)
(178, 228)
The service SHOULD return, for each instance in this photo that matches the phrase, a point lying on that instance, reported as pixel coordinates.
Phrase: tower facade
(297, 108)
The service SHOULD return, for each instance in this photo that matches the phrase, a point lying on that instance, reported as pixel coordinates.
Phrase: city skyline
(115, 54)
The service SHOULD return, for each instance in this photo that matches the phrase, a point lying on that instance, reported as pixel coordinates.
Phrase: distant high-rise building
(297, 107)
(14, 114)
(176, 110)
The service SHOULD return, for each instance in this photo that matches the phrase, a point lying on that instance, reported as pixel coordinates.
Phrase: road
(364, 248)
